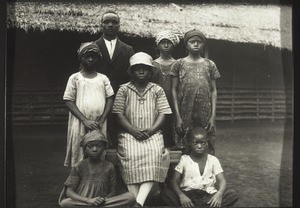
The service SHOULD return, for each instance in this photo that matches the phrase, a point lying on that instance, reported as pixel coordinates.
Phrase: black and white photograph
(149, 103)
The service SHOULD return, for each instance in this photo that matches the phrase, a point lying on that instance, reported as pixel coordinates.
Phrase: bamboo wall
(233, 104)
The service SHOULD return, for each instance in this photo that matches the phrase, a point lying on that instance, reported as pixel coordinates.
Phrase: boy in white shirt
(194, 178)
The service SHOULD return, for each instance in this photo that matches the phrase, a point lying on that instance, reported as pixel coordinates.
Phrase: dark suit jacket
(115, 69)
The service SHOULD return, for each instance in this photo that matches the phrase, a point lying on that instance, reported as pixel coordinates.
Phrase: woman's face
(195, 44)
(95, 149)
(165, 46)
(89, 59)
(141, 72)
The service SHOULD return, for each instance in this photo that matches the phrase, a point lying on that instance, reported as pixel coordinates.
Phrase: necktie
(111, 50)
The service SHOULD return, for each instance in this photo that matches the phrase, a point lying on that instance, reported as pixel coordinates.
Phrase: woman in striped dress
(141, 106)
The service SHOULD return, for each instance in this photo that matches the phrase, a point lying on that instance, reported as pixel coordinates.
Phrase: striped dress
(146, 160)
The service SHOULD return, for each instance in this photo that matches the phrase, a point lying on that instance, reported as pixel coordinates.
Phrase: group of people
(159, 105)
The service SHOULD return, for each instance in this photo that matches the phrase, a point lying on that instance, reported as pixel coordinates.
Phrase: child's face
(141, 72)
(95, 149)
(165, 46)
(195, 44)
(89, 59)
(198, 143)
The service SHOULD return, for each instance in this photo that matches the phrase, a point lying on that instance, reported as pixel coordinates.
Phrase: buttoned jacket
(116, 68)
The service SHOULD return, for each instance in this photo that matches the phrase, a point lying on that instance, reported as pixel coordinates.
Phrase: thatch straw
(268, 25)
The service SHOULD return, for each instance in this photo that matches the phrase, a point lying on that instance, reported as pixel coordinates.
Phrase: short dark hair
(194, 131)
(109, 12)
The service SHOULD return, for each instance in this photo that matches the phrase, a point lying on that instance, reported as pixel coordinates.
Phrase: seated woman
(92, 181)
(141, 106)
(194, 178)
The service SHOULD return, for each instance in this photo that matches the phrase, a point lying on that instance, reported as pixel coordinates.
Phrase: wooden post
(257, 104)
(233, 91)
(257, 94)
(232, 104)
(30, 110)
(52, 109)
(273, 107)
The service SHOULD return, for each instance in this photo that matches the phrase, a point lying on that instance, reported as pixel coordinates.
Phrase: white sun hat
(140, 58)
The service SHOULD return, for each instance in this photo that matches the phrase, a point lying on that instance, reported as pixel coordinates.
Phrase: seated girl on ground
(92, 182)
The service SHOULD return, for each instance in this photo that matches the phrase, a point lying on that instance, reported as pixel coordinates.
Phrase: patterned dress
(162, 77)
(146, 160)
(89, 96)
(194, 92)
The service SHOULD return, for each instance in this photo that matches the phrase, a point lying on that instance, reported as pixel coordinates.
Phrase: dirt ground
(256, 158)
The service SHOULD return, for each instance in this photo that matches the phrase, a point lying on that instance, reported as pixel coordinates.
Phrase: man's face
(110, 24)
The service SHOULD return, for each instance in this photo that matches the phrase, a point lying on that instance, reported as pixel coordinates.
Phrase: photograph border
(4, 142)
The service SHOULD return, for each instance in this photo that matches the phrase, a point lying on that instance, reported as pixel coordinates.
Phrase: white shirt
(192, 179)
(110, 45)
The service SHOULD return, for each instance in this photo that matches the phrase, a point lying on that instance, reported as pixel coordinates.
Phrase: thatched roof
(268, 25)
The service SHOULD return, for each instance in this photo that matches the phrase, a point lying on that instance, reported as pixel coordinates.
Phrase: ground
(256, 158)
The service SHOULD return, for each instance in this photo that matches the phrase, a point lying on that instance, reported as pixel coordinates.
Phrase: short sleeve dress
(89, 96)
(89, 183)
(194, 90)
(146, 160)
(162, 77)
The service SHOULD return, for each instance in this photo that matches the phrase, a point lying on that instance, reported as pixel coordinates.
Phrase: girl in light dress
(88, 97)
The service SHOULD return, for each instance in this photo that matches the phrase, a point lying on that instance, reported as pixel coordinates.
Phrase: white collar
(113, 41)
(110, 45)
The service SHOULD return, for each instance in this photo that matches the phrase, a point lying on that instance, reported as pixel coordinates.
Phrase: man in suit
(114, 62)
(115, 53)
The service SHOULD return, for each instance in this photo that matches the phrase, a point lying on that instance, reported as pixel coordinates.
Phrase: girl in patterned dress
(166, 41)
(141, 106)
(92, 181)
(194, 89)
(88, 97)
